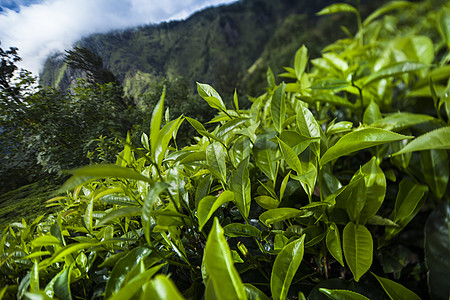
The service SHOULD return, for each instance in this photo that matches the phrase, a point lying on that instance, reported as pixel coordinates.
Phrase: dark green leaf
(241, 186)
(149, 202)
(215, 158)
(437, 250)
(61, 286)
(435, 168)
(122, 267)
(395, 290)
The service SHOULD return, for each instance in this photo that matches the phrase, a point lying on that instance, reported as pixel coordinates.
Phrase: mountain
(228, 46)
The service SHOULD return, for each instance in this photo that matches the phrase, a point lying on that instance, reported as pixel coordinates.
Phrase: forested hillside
(229, 46)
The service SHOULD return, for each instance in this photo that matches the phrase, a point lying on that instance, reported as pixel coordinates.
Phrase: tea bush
(332, 185)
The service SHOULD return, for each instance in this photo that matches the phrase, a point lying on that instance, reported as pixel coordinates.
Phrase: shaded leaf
(395, 290)
(358, 249)
(342, 294)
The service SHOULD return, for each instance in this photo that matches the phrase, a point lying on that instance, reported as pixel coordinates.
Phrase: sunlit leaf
(220, 267)
(436, 139)
(278, 107)
(358, 140)
(333, 241)
(284, 268)
(283, 213)
(209, 204)
(342, 294)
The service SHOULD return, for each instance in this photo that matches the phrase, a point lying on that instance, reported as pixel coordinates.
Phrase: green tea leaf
(358, 140)
(283, 213)
(120, 213)
(395, 290)
(211, 96)
(241, 186)
(301, 60)
(134, 285)
(290, 157)
(267, 202)
(333, 241)
(215, 158)
(401, 120)
(436, 139)
(342, 294)
(395, 69)
(278, 107)
(284, 268)
(149, 202)
(61, 286)
(122, 267)
(337, 8)
(241, 230)
(253, 293)
(219, 265)
(264, 152)
(437, 250)
(88, 215)
(372, 113)
(435, 168)
(209, 204)
(164, 137)
(156, 122)
(358, 249)
(384, 9)
(45, 240)
(161, 288)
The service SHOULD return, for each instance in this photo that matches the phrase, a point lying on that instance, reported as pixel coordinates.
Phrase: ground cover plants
(333, 184)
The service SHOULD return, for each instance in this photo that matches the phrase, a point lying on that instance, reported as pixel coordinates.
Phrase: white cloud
(39, 30)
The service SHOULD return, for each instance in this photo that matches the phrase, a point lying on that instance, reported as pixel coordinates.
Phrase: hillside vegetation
(332, 184)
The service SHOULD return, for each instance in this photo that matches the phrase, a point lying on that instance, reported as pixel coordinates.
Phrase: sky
(40, 28)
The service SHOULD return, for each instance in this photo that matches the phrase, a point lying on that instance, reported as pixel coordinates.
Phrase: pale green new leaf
(253, 293)
(436, 139)
(161, 288)
(395, 69)
(358, 249)
(301, 60)
(278, 107)
(384, 9)
(283, 213)
(88, 215)
(401, 120)
(209, 204)
(120, 213)
(211, 96)
(241, 186)
(358, 140)
(336, 8)
(215, 158)
(155, 125)
(149, 202)
(85, 174)
(284, 268)
(395, 290)
(218, 263)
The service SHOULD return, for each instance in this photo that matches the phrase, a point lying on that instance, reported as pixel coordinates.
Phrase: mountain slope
(217, 45)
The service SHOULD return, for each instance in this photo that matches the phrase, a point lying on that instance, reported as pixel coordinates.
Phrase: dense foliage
(331, 185)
